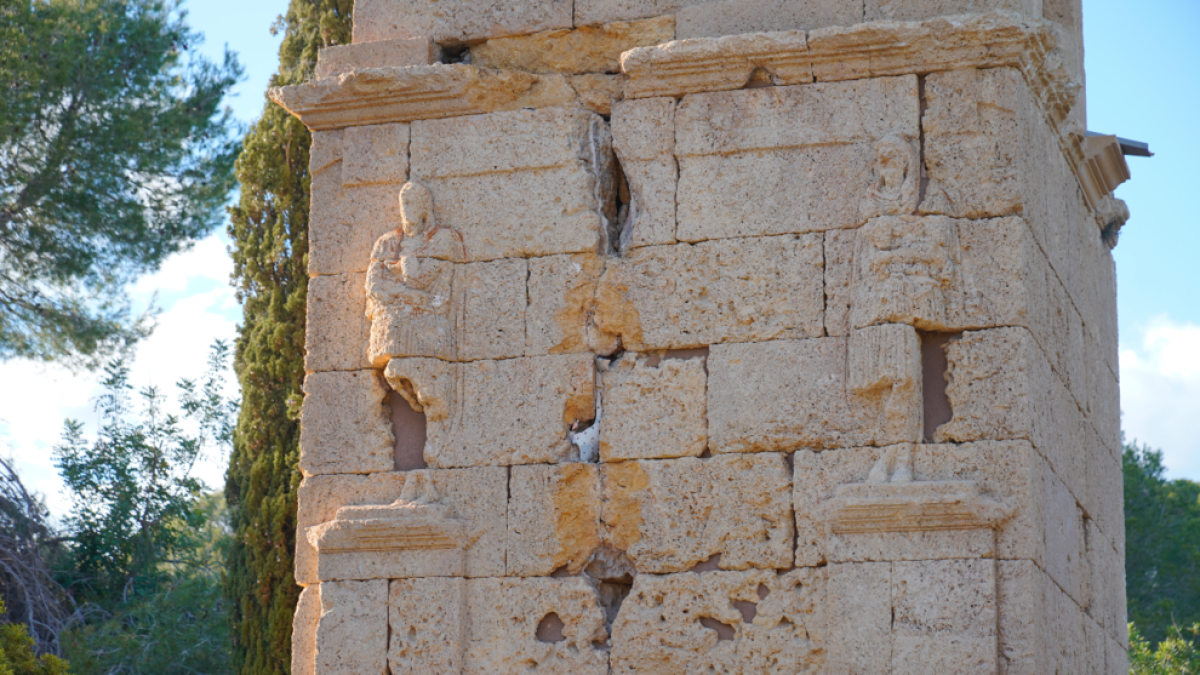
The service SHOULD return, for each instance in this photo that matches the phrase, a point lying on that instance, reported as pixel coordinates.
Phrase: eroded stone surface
(352, 635)
(669, 515)
(553, 518)
(428, 626)
(337, 330)
(789, 394)
(476, 495)
(514, 411)
(374, 155)
(733, 17)
(740, 623)
(518, 184)
(1010, 475)
(345, 427)
(304, 631)
(589, 49)
(670, 297)
(505, 615)
(788, 159)
(644, 140)
(653, 412)
(337, 59)
(456, 20)
(560, 317)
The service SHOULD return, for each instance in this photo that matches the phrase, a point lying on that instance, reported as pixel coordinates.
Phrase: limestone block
(560, 317)
(478, 496)
(933, 616)
(455, 21)
(597, 91)
(589, 49)
(304, 631)
(1103, 401)
(681, 296)
(428, 622)
(1116, 658)
(733, 17)
(989, 152)
(553, 518)
(1065, 560)
(1041, 628)
(669, 515)
(1000, 386)
(795, 159)
(344, 224)
(344, 424)
(421, 306)
(593, 12)
(987, 499)
(337, 329)
(1105, 482)
(859, 605)
(1098, 291)
(519, 184)
(375, 155)
(337, 59)
(944, 617)
(740, 623)
(514, 411)
(913, 10)
(505, 619)
(352, 636)
(644, 140)
(653, 412)
(839, 248)
(786, 394)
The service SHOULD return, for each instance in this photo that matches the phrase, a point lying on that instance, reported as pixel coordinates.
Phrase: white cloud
(1160, 393)
(198, 307)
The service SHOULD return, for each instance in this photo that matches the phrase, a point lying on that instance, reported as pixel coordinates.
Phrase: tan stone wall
(741, 353)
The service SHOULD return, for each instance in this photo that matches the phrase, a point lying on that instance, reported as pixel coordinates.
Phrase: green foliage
(1177, 654)
(17, 655)
(269, 227)
(114, 153)
(135, 502)
(1162, 545)
(182, 628)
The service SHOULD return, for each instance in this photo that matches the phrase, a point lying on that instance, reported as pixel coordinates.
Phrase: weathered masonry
(742, 336)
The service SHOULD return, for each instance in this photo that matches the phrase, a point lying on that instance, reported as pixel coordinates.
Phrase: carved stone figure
(904, 268)
(410, 282)
(897, 179)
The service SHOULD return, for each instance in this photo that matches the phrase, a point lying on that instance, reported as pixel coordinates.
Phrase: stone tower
(731, 336)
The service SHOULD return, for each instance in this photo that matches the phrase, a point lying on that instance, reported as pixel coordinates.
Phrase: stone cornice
(404, 94)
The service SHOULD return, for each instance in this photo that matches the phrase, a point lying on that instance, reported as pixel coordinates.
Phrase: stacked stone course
(725, 350)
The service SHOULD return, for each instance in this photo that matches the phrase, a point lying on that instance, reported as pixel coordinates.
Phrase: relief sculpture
(897, 178)
(410, 283)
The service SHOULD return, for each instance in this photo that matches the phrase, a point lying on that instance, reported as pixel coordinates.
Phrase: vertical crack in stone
(921, 105)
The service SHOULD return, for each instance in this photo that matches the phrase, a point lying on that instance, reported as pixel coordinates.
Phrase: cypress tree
(269, 228)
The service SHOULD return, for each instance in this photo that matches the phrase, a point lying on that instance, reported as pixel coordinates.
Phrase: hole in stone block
(724, 630)
(611, 595)
(561, 572)
(710, 565)
(408, 427)
(762, 591)
(550, 629)
(611, 565)
(759, 78)
(748, 609)
(934, 370)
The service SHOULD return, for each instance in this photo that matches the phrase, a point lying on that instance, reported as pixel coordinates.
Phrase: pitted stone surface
(774, 623)
(788, 394)
(352, 635)
(428, 624)
(505, 614)
(514, 411)
(476, 495)
(669, 515)
(671, 297)
(553, 518)
(337, 330)
(561, 314)
(653, 412)
(345, 427)
(787, 159)
(518, 184)
(589, 49)
(456, 20)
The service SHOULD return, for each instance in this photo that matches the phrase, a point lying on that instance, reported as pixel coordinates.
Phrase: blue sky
(1142, 65)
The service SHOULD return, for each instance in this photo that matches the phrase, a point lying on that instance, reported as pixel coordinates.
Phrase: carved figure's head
(416, 209)
(894, 161)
